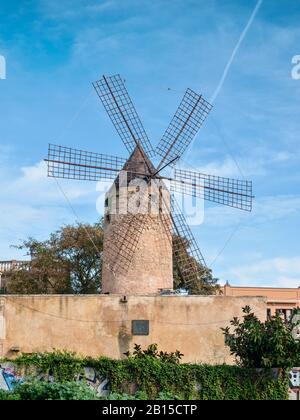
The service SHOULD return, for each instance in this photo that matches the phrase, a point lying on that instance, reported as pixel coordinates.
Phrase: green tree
(200, 278)
(258, 344)
(68, 262)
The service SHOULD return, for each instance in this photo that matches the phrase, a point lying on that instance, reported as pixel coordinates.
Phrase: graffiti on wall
(95, 381)
(8, 378)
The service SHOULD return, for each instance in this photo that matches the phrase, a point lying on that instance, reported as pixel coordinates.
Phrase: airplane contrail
(234, 52)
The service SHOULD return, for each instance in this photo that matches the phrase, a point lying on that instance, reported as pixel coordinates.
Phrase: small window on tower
(106, 202)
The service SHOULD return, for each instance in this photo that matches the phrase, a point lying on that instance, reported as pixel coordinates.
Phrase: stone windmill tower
(133, 209)
(146, 235)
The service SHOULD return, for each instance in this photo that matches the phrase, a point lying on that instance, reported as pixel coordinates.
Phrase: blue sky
(54, 50)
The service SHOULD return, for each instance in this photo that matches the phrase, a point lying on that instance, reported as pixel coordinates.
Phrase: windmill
(141, 245)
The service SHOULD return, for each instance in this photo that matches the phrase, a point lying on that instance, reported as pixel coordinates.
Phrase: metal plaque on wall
(140, 327)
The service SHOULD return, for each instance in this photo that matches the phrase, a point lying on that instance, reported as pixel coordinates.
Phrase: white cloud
(33, 185)
(33, 205)
(281, 272)
(265, 210)
(225, 168)
(275, 208)
(258, 162)
(100, 7)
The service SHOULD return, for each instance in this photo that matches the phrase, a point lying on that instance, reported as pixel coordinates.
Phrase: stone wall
(102, 325)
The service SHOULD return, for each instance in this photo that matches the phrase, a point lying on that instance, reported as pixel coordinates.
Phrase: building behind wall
(279, 300)
(6, 269)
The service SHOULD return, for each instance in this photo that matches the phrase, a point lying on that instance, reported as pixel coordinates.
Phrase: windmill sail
(65, 162)
(117, 103)
(187, 256)
(184, 126)
(181, 229)
(229, 192)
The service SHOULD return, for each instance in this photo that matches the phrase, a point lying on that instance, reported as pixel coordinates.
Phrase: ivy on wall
(153, 376)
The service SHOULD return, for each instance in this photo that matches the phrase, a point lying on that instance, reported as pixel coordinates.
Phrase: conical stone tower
(137, 251)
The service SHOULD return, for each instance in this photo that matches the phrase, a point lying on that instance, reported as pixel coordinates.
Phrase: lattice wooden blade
(65, 162)
(186, 253)
(120, 108)
(181, 230)
(229, 192)
(125, 234)
(185, 124)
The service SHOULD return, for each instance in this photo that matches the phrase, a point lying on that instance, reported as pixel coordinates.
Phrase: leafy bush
(69, 391)
(152, 351)
(140, 395)
(38, 390)
(258, 344)
(145, 376)
(63, 366)
(6, 396)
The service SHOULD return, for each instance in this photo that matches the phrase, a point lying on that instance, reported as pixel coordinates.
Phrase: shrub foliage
(145, 375)
(268, 344)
